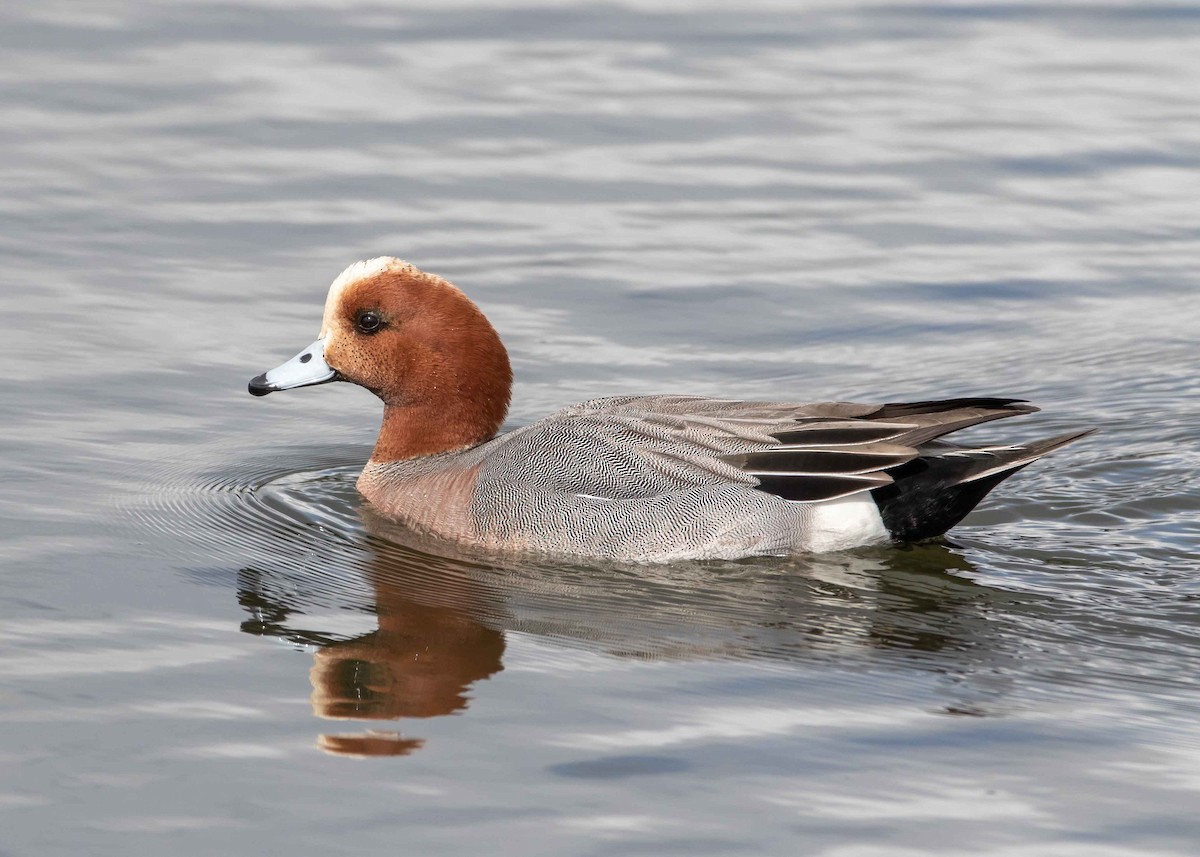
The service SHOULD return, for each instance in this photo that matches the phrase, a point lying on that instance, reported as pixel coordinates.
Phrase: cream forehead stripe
(356, 273)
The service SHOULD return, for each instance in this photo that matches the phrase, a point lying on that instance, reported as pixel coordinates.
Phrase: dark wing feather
(825, 457)
(813, 488)
(897, 410)
(802, 452)
(840, 432)
(786, 460)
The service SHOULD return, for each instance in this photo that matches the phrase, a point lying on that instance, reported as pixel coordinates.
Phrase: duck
(639, 478)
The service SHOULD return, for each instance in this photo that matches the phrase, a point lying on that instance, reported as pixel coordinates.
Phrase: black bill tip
(260, 386)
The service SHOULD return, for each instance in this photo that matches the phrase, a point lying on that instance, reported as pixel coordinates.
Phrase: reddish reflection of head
(420, 662)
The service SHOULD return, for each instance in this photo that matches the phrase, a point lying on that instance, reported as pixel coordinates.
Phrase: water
(207, 646)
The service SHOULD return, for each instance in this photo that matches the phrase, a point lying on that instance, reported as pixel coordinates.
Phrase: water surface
(208, 645)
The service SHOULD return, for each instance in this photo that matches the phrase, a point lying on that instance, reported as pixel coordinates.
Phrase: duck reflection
(419, 662)
(440, 622)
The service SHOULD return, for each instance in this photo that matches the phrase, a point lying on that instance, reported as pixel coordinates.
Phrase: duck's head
(416, 342)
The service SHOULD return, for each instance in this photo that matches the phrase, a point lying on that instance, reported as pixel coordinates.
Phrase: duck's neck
(420, 430)
(451, 382)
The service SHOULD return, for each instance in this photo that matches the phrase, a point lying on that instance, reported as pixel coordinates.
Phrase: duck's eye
(368, 321)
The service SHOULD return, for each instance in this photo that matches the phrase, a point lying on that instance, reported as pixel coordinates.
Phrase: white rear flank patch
(847, 522)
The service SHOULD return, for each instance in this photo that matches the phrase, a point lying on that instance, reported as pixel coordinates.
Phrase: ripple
(821, 200)
(289, 533)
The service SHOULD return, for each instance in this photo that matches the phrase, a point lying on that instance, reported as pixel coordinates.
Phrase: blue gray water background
(206, 647)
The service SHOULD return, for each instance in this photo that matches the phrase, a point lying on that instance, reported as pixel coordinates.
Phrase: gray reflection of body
(441, 621)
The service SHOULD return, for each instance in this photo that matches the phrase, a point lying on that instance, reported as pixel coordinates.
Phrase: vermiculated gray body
(659, 478)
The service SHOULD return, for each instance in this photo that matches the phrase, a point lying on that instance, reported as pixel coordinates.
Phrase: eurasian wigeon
(645, 478)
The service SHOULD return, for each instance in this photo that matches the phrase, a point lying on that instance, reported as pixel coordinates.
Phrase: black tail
(932, 493)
